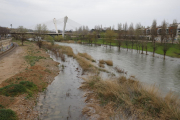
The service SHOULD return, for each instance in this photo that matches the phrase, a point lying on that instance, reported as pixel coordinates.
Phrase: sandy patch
(13, 63)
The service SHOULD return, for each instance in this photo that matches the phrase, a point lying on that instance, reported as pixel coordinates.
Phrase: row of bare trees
(130, 36)
(4, 31)
(39, 34)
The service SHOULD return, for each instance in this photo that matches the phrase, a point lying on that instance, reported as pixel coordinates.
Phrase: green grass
(13, 90)
(33, 59)
(172, 51)
(1, 106)
(7, 114)
(17, 89)
(29, 85)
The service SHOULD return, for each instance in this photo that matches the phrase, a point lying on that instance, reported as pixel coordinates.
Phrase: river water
(62, 100)
(146, 68)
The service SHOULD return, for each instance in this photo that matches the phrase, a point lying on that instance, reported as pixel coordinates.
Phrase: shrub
(13, 90)
(28, 85)
(7, 114)
(109, 62)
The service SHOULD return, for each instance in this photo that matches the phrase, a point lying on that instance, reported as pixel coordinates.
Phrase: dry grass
(87, 56)
(101, 61)
(85, 64)
(129, 97)
(59, 50)
(108, 62)
(69, 41)
(119, 70)
(82, 58)
(79, 42)
(101, 65)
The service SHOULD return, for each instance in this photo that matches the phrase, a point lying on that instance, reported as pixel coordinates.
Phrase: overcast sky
(88, 12)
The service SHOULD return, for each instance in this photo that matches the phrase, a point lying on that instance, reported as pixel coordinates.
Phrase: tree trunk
(142, 49)
(22, 42)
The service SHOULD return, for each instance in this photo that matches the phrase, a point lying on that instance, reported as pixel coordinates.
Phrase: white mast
(65, 21)
(54, 20)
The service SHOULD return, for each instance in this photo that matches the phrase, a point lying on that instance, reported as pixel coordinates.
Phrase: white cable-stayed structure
(61, 24)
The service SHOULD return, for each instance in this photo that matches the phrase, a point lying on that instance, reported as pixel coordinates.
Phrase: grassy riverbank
(120, 97)
(128, 98)
(173, 51)
(18, 93)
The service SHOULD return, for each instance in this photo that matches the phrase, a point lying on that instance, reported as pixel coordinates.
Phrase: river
(146, 68)
(63, 100)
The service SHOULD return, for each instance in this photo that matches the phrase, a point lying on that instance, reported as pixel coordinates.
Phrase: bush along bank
(127, 98)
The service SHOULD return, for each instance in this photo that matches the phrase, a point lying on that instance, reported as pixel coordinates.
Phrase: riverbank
(173, 49)
(24, 74)
(119, 97)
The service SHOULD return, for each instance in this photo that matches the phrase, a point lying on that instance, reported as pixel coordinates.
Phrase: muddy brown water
(63, 100)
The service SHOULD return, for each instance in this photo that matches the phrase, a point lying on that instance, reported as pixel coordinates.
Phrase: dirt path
(13, 63)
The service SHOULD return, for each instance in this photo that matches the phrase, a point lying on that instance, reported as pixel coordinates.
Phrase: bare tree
(153, 35)
(178, 42)
(164, 38)
(145, 40)
(119, 36)
(95, 37)
(110, 35)
(137, 36)
(4, 31)
(125, 28)
(131, 34)
(22, 32)
(102, 35)
(174, 30)
(40, 32)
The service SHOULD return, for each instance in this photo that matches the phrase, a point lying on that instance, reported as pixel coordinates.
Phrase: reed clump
(130, 96)
(87, 56)
(101, 65)
(85, 64)
(79, 42)
(108, 62)
(59, 50)
(84, 60)
(68, 41)
(101, 61)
